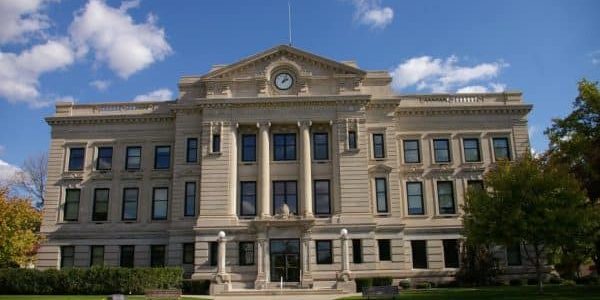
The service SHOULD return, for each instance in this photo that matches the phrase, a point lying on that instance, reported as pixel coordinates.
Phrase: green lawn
(504, 293)
(73, 297)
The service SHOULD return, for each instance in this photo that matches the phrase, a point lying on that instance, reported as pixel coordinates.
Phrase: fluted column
(306, 169)
(264, 172)
(233, 170)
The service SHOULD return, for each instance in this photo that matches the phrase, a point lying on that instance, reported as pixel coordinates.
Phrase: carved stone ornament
(284, 212)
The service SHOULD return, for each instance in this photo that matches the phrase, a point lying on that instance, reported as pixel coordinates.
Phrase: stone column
(221, 261)
(264, 171)
(261, 281)
(307, 279)
(221, 281)
(344, 278)
(306, 169)
(233, 170)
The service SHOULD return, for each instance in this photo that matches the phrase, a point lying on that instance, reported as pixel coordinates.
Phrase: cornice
(84, 120)
(517, 109)
(283, 101)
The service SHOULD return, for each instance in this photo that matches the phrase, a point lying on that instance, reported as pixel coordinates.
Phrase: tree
(574, 143)
(19, 230)
(32, 177)
(530, 203)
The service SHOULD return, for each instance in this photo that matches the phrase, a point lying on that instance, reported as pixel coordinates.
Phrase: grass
(555, 292)
(75, 297)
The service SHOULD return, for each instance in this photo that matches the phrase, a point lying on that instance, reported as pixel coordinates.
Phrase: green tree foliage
(575, 143)
(529, 202)
(19, 230)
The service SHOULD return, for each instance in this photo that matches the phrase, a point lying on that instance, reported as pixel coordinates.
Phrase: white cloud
(157, 95)
(595, 57)
(116, 39)
(21, 18)
(370, 13)
(8, 172)
(100, 85)
(443, 75)
(19, 73)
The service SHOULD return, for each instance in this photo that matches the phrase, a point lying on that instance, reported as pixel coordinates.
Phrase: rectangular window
(67, 256)
(501, 148)
(471, 147)
(133, 159)
(378, 146)
(320, 146)
(157, 256)
(352, 145)
(130, 203)
(104, 161)
(97, 256)
(322, 197)
(76, 159)
(357, 251)
(412, 153)
(188, 253)
(248, 201)
(192, 150)
(190, 199)
(71, 212)
(475, 185)
(127, 256)
(385, 253)
(419, 254)
(162, 157)
(285, 192)
(246, 253)
(445, 192)
(249, 147)
(100, 207)
(285, 146)
(160, 200)
(414, 194)
(513, 255)
(450, 253)
(381, 195)
(216, 143)
(441, 149)
(324, 252)
(213, 253)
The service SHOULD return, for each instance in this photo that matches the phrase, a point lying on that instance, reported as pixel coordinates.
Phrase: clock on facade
(284, 81)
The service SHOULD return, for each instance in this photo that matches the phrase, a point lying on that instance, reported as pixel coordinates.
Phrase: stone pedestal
(221, 281)
(345, 280)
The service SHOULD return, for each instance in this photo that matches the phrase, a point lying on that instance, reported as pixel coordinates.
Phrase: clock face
(284, 81)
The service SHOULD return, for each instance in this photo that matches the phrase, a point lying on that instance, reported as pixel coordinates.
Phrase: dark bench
(163, 294)
(381, 292)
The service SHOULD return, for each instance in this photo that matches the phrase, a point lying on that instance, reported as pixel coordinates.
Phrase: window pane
(127, 256)
(414, 191)
(450, 253)
(356, 251)
(471, 147)
(285, 146)
(446, 197)
(419, 254)
(134, 155)
(97, 256)
(216, 146)
(246, 253)
(322, 197)
(384, 250)
(513, 255)
(130, 198)
(320, 146)
(324, 255)
(501, 150)
(157, 256)
(104, 158)
(249, 147)
(248, 206)
(162, 157)
(285, 192)
(441, 150)
(352, 139)
(192, 150)
(190, 199)
(378, 146)
(188, 253)
(76, 158)
(100, 208)
(67, 256)
(159, 205)
(381, 195)
(71, 207)
(411, 151)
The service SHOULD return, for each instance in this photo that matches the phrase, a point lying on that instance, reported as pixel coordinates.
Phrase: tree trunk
(538, 270)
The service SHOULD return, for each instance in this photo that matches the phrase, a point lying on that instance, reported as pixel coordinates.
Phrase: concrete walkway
(279, 297)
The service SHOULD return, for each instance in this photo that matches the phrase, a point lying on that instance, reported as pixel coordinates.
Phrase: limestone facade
(373, 181)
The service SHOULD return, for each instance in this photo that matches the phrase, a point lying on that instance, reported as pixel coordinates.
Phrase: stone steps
(284, 291)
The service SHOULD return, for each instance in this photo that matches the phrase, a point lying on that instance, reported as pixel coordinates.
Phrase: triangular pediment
(254, 65)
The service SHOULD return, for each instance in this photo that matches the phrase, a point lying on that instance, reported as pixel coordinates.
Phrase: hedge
(92, 281)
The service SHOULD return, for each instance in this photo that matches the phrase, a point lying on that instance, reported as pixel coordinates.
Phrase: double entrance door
(285, 260)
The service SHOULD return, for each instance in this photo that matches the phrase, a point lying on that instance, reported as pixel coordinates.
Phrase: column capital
(263, 124)
(305, 123)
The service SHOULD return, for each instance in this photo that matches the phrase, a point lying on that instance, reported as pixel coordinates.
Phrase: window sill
(215, 153)
(129, 221)
(248, 163)
(447, 216)
(383, 215)
(100, 222)
(68, 222)
(324, 161)
(284, 161)
(356, 150)
(416, 216)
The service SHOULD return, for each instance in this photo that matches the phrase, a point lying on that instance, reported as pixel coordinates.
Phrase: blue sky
(102, 51)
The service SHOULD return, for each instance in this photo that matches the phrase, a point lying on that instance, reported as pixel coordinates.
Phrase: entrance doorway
(285, 260)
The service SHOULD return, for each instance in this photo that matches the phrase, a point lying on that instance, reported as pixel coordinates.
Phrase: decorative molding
(86, 120)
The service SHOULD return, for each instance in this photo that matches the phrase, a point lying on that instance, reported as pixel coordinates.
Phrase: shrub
(95, 280)
(532, 281)
(516, 282)
(478, 265)
(363, 284)
(448, 284)
(196, 287)
(404, 284)
(423, 285)
(554, 280)
(382, 281)
(587, 280)
(568, 282)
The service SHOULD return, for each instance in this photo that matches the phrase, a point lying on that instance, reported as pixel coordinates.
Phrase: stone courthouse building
(283, 167)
